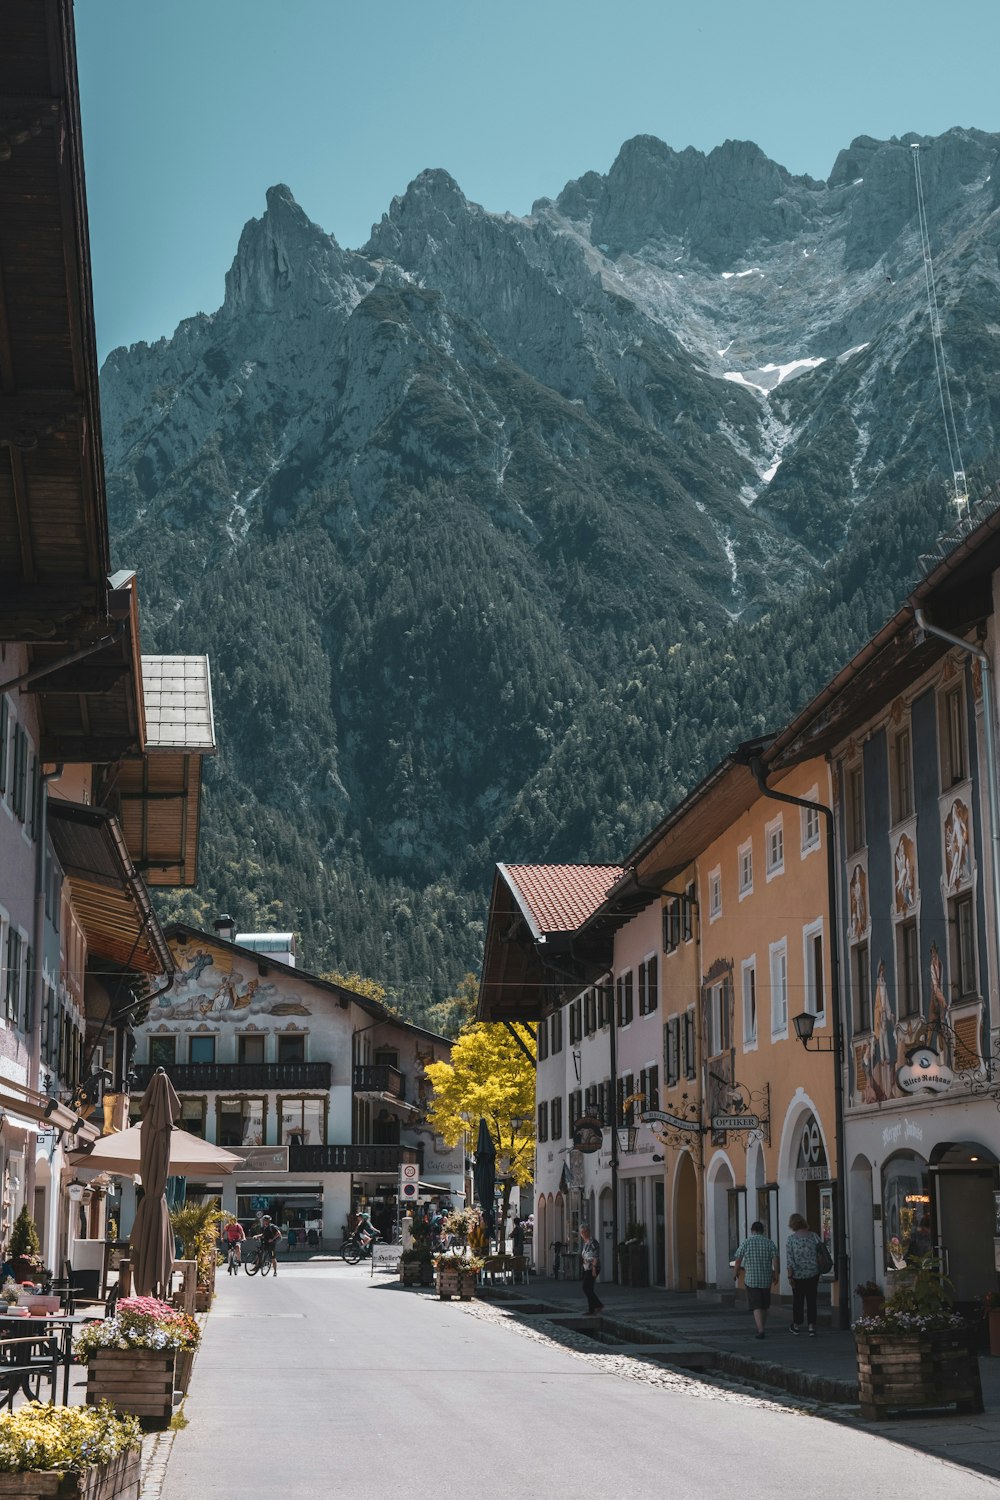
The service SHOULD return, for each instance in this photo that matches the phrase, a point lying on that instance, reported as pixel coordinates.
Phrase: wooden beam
(21, 512)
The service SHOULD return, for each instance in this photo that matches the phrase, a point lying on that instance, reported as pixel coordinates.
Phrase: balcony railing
(378, 1078)
(240, 1078)
(357, 1159)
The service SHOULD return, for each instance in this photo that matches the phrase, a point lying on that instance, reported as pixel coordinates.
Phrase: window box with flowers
(456, 1275)
(917, 1353)
(54, 1452)
(132, 1358)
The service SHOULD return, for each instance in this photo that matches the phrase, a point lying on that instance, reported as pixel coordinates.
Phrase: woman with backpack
(802, 1257)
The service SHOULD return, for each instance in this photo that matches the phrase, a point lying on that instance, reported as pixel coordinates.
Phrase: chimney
(225, 927)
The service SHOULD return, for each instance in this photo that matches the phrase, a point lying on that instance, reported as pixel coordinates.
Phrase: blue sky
(192, 108)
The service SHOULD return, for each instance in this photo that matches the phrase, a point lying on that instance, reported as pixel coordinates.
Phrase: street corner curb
(823, 1388)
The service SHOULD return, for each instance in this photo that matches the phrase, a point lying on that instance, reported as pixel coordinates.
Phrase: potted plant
(456, 1275)
(24, 1249)
(196, 1225)
(415, 1268)
(90, 1453)
(872, 1297)
(132, 1358)
(633, 1267)
(916, 1351)
(991, 1303)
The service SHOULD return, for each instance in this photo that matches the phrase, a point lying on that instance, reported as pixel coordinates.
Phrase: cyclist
(269, 1236)
(234, 1235)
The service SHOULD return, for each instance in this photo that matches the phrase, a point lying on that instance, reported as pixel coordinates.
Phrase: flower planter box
(202, 1299)
(452, 1282)
(913, 1371)
(872, 1306)
(139, 1381)
(118, 1479)
(416, 1273)
(183, 1364)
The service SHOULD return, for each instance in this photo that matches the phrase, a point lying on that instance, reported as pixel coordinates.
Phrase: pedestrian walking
(803, 1272)
(757, 1262)
(590, 1261)
(517, 1238)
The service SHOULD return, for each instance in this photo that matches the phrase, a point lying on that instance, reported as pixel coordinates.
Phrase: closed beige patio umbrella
(151, 1243)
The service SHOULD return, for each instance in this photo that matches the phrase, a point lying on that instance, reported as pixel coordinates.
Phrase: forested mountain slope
(498, 531)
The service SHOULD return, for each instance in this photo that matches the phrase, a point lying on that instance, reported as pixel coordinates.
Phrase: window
(690, 1056)
(649, 1083)
(604, 1102)
(542, 1039)
(555, 1117)
(687, 923)
(303, 1122)
(714, 895)
(15, 979)
(241, 1122)
(574, 1021)
(812, 961)
(543, 1121)
(774, 847)
(291, 1049)
(574, 1108)
(779, 989)
(671, 1051)
(902, 777)
(162, 1051)
(953, 758)
(963, 947)
(250, 1049)
(4, 737)
(19, 778)
(744, 860)
(605, 1001)
(861, 983)
(907, 969)
(749, 978)
(193, 1117)
(717, 1003)
(648, 987)
(555, 1032)
(625, 1001)
(626, 1088)
(590, 1013)
(590, 1100)
(855, 789)
(810, 822)
(672, 924)
(201, 1049)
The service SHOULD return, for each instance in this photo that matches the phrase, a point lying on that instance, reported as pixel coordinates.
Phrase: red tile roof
(560, 898)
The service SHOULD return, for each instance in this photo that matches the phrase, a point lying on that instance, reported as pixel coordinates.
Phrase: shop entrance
(967, 1216)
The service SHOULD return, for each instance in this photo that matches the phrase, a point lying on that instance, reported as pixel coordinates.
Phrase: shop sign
(386, 1257)
(587, 1134)
(736, 1122)
(672, 1122)
(812, 1174)
(924, 1072)
(260, 1158)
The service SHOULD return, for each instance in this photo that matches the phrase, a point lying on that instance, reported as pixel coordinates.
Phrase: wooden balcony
(379, 1078)
(361, 1160)
(240, 1078)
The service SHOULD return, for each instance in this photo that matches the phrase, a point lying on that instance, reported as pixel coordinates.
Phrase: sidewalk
(702, 1334)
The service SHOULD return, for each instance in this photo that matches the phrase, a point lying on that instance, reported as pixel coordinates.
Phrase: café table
(59, 1325)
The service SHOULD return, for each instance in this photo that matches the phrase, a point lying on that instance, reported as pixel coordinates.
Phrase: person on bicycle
(269, 1236)
(234, 1235)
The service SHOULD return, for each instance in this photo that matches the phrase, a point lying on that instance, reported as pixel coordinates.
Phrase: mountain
(499, 529)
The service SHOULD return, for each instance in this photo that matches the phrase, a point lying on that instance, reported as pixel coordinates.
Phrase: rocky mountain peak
(282, 254)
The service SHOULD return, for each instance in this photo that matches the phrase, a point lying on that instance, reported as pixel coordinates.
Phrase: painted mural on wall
(885, 1055)
(858, 904)
(905, 867)
(209, 984)
(957, 850)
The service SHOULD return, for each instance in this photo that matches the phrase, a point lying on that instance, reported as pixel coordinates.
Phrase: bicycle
(233, 1258)
(262, 1259)
(352, 1250)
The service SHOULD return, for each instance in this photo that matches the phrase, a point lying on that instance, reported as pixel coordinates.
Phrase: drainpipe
(613, 1063)
(36, 978)
(759, 771)
(989, 735)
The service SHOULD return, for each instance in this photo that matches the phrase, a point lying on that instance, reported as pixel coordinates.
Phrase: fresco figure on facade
(906, 877)
(958, 859)
(883, 1062)
(858, 893)
(937, 1031)
(204, 988)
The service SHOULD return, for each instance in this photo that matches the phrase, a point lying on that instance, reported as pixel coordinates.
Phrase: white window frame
(813, 1003)
(778, 964)
(744, 869)
(774, 868)
(715, 894)
(748, 972)
(810, 820)
(717, 998)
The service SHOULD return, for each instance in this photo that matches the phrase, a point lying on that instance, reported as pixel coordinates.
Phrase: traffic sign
(409, 1182)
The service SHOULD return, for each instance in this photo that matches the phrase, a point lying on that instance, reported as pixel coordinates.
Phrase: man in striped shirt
(757, 1260)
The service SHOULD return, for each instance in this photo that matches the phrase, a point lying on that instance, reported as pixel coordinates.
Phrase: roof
(54, 547)
(108, 897)
(559, 898)
(178, 696)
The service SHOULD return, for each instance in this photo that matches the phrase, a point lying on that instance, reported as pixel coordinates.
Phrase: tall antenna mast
(959, 486)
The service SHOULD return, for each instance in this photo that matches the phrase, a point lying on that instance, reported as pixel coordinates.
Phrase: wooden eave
(107, 894)
(54, 549)
(158, 798)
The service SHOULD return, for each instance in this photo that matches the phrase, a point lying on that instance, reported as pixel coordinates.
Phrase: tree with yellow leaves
(489, 1077)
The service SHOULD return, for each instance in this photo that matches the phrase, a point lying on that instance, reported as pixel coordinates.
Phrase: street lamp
(626, 1138)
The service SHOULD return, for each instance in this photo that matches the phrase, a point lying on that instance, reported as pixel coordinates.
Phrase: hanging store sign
(588, 1134)
(736, 1122)
(924, 1072)
(672, 1122)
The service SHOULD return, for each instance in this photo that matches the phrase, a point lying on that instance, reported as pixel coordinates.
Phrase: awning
(108, 896)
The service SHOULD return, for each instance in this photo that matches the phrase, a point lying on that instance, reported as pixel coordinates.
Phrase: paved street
(325, 1382)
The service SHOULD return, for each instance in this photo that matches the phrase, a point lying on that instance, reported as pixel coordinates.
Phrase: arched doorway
(718, 1247)
(685, 1217)
(540, 1237)
(865, 1265)
(964, 1175)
